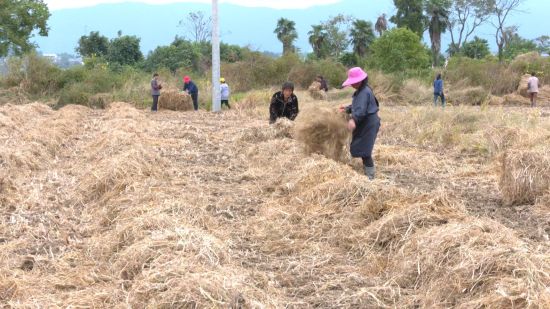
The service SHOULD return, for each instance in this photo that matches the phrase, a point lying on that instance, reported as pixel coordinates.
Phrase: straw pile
(282, 128)
(515, 100)
(495, 101)
(175, 100)
(468, 96)
(100, 100)
(315, 91)
(416, 92)
(323, 131)
(471, 264)
(524, 176)
(543, 96)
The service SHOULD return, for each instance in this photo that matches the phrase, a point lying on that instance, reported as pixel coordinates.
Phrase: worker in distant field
(438, 90)
(191, 89)
(364, 122)
(225, 92)
(156, 86)
(323, 82)
(533, 88)
(284, 104)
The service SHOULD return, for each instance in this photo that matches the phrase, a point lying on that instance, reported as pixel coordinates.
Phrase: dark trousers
(439, 95)
(226, 102)
(368, 161)
(195, 97)
(155, 103)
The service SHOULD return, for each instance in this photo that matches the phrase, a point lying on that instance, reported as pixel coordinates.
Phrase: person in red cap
(191, 88)
(364, 122)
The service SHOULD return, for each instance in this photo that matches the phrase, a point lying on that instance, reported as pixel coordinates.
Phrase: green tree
(125, 50)
(19, 19)
(438, 13)
(399, 50)
(362, 35)
(465, 17)
(543, 44)
(286, 33)
(170, 57)
(318, 41)
(410, 14)
(502, 9)
(337, 31)
(516, 45)
(477, 48)
(93, 44)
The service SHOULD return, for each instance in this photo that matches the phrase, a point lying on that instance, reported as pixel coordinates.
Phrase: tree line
(460, 18)
(342, 38)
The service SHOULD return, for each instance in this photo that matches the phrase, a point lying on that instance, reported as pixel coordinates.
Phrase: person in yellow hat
(225, 92)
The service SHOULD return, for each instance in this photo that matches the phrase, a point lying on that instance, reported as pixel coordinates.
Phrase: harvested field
(132, 209)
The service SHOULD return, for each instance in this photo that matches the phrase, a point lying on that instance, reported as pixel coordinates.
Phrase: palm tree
(438, 14)
(317, 39)
(286, 33)
(381, 24)
(362, 35)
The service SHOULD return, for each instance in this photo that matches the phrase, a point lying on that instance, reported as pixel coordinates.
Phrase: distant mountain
(158, 24)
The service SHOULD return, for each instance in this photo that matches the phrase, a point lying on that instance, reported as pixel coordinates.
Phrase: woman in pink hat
(364, 122)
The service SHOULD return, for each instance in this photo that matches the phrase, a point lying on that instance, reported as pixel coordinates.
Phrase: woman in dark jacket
(193, 90)
(284, 104)
(364, 122)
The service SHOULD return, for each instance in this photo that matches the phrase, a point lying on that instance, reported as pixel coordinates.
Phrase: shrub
(468, 96)
(88, 83)
(399, 50)
(303, 74)
(533, 62)
(100, 100)
(78, 93)
(36, 75)
(481, 73)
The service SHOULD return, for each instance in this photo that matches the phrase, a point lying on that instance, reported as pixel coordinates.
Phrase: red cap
(186, 79)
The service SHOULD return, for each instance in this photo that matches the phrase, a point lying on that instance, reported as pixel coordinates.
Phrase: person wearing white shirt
(533, 88)
(225, 92)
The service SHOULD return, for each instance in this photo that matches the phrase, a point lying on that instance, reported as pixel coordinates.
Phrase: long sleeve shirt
(438, 86)
(191, 87)
(280, 107)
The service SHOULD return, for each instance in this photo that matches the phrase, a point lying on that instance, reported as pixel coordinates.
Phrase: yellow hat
(222, 80)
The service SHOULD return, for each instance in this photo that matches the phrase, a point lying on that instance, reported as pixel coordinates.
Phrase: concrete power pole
(216, 96)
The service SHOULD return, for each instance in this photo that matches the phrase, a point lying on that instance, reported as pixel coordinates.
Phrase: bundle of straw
(315, 91)
(525, 175)
(176, 101)
(323, 131)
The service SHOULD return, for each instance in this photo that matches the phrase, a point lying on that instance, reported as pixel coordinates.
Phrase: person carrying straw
(364, 122)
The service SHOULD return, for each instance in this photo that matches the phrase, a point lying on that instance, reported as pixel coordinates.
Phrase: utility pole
(216, 96)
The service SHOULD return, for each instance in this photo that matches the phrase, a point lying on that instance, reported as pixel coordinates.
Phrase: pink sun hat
(355, 75)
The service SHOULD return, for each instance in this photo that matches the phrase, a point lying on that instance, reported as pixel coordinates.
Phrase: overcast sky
(278, 4)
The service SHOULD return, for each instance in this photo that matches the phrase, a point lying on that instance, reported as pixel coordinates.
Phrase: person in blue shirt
(438, 90)
(364, 122)
(191, 88)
